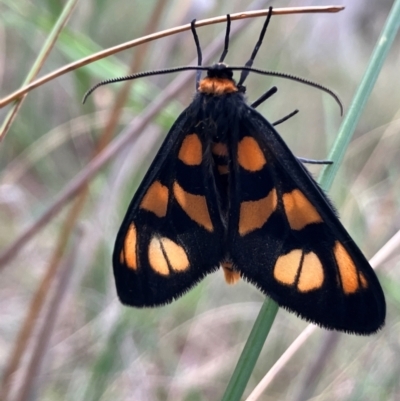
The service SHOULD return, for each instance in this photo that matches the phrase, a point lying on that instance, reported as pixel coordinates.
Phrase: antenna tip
(85, 96)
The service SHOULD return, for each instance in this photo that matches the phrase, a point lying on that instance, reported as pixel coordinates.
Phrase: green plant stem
(265, 319)
(360, 99)
(251, 351)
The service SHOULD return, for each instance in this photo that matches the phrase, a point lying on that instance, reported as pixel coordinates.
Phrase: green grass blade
(251, 351)
(360, 99)
(45, 51)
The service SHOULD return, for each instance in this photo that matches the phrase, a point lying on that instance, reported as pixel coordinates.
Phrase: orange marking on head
(312, 273)
(223, 169)
(195, 206)
(217, 86)
(287, 266)
(299, 210)
(363, 280)
(231, 276)
(130, 243)
(347, 269)
(155, 199)
(254, 214)
(191, 151)
(250, 155)
(219, 149)
(175, 254)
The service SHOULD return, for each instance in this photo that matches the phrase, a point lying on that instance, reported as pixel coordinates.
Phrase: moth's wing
(171, 235)
(285, 237)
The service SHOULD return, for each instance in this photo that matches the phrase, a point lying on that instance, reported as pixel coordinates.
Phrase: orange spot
(191, 151)
(195, 206)
(219, 149)
(223, 169)
(254, 214)
(312, 273)
(165, 254)
(250, 156)
(121, 257)
(155, 199)
(231, 276)
(287, 266)
(130, 247)
(157, 260)
(299, 210)
(347, 269)
(363, 280)
(175, 254)
(217, 86)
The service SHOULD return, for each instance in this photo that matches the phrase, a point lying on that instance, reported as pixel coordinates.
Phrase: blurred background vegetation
(63, 333)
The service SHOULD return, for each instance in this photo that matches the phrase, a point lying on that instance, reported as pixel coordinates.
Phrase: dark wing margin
(171, 235)
(285, 237)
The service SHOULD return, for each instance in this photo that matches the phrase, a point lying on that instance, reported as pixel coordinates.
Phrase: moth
(225, 191)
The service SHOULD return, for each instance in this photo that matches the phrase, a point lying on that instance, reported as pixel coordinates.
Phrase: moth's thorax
(217, 86)
(217, 113)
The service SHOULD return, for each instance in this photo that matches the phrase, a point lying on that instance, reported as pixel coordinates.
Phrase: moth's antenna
(198, 48)
(249, 63)
(228, 30)
(204, 68)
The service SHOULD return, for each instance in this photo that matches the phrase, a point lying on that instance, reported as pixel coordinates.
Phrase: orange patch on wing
(347, 269)
(217, 86)
(175, 254)
(121, 257)
(191, 151)
(130, 242)
(250, 155)
(307, 267)
(254, 214)
(287, 266)
(157, 259)
(299, 210)
(231, 276)
(312, 273)
(219, 149)
(165, 254)
(155, 199)
(195, 206)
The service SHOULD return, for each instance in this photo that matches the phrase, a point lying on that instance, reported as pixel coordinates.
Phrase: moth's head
(220, 70)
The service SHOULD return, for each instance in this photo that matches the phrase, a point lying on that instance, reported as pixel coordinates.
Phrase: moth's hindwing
(285, 237)
(172, 232)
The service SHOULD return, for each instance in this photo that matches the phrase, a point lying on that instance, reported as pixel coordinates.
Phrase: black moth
(225, 190)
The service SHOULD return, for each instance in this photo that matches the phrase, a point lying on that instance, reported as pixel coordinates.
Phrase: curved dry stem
(148, 38)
